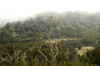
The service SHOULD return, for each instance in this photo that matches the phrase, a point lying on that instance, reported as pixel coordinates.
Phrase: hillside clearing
(55, 40)
(84, 49)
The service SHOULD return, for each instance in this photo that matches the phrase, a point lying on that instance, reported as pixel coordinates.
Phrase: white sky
(11, 10)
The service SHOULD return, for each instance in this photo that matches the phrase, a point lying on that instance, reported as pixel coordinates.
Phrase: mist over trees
(69, 25)
(24, 42)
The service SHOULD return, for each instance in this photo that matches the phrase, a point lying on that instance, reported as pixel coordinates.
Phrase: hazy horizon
(13, 10)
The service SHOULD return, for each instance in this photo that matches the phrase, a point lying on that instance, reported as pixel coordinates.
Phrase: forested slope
(31, 49)
(67, 25)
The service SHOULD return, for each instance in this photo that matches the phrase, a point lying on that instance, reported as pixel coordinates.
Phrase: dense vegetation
(69, 25)
(22, 43)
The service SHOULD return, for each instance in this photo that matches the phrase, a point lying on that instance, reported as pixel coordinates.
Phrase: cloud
(20, 9)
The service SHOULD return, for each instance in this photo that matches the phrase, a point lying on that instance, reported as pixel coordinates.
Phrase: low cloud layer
(11, 10)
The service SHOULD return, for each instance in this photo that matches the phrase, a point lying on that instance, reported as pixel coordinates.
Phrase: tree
(5, 36)
(94, 55)
(10, 58)
(53, 47)
(71, 49)
(79, 46)
(72, 56)
(11, 30)
(8, 25)
(75, 43)
(88, 40)
(99, 42)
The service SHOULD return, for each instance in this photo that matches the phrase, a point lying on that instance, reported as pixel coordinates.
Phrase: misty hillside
(52, 39)
(66, 25)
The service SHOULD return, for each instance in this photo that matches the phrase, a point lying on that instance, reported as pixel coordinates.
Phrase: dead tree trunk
(53, 51)
(52, 47)
(10, 58)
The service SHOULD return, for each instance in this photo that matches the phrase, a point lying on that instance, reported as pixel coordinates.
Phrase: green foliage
(1, 64)
(45, 64)
(36, 61)
(22, 63)
(72, 57)
(94, 55)
(84, 27)
(28, 64)
(32, 62)
(16, 63)
(67, 63)
(87, 64)
(99, 42)
(84, 59)
(69, 25)
(42, 63)
(61, 64)
(79, 46)
(76, 63)
(71, 49)
(75, 43)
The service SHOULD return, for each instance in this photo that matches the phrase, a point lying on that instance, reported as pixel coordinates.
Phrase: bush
(94, 55)
(79, 46)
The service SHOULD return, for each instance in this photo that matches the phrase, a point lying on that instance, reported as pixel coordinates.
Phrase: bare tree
(10, 58)
(52, 47)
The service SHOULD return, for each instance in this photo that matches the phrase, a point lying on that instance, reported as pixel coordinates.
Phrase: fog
(14, 10)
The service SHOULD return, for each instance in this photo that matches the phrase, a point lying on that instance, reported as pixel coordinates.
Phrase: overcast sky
(12, 10)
